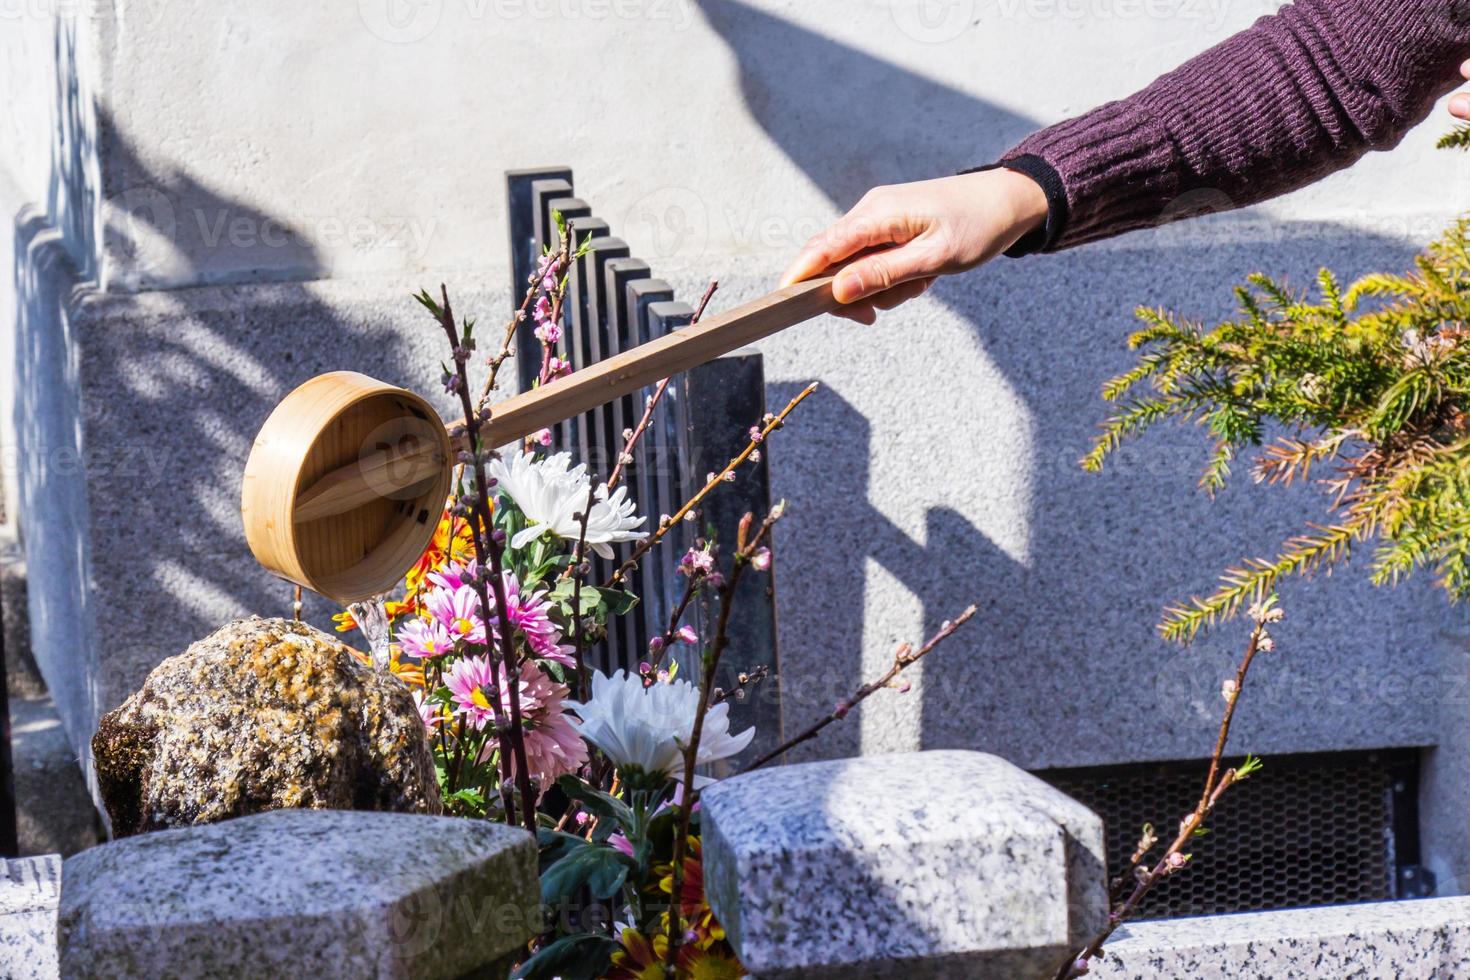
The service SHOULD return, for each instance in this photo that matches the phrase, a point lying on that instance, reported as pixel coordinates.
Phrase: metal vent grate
(1324, 829)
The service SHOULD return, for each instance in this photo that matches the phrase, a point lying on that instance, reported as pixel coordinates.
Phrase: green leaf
(554, 846)
(584, 956)
(598, 867)
(598, 803)
(612, 602)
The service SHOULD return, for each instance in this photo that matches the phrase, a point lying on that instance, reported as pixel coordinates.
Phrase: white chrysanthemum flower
(551, 493)
(643, 730)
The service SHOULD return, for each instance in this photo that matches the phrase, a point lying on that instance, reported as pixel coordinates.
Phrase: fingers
(902, 293)
(1460, 106)
(1465, 69)
(865, 311)
(881, 271)
(870, 224)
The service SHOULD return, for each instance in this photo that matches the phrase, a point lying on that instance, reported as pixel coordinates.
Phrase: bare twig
(775, 422)
(653, 400)
(487, 547)
(743, 683)
(904, 658)
(1216, 783)
(533, 289)
(745, 549)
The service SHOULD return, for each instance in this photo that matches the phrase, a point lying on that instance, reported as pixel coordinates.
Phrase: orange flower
(408, 671)
(451, 543)
(346, 622)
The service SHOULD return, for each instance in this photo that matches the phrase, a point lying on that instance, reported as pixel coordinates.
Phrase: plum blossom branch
(489, 544)
(746, 548)
(758, 436)
(903, 658)
(1174, 859)
(743, 683)
(537, 284)
(631, 438)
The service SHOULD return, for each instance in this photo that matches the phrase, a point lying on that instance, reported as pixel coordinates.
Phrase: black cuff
(1040, 239)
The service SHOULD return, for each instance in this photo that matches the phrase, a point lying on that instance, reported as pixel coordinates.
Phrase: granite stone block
(1427, 939)
(29, 891)
(325, 894)
(928, 864)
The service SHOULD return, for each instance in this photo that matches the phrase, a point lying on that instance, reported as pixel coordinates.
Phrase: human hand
(898, 239)
(1460, 104)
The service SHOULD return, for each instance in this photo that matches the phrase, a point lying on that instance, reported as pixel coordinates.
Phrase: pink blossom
(543, 437)
(756, 435)
(553, 747)
(541, 312)
(655, 647)
(458, 610)
(556, 367)
(761, 560)
(455, 574)
(686, 634)
(424, 639)
(619, 842)
(429, 712)
(471, 681)
(548, 270)
(530, 613)
(697, 561)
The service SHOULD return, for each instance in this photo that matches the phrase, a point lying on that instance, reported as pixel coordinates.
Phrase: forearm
(1300, 94)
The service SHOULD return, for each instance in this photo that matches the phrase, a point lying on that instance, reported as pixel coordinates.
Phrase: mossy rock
(263, 714)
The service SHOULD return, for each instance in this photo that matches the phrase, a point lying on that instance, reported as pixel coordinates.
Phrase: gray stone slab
(929, 864)
(53, 811)
(1427, 939)
(29, 891)
(327, 894)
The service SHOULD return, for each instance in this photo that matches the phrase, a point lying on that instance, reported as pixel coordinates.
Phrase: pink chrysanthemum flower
(471, 681)
(530, 613)
(454, 575)
(553, 747)
(458, 611)
(431, 714)
(424, 639)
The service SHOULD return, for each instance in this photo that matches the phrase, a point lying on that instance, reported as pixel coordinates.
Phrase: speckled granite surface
(29, 890)
(1427, 939)
(262, 714)
(323, 894)
(927, 864)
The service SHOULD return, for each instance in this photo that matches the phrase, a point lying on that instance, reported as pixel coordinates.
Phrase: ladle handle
(682, 349)
(597, 384)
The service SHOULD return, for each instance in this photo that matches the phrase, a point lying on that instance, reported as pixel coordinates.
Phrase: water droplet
(371, 616)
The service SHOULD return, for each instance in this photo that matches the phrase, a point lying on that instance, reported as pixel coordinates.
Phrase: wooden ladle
(348, 476)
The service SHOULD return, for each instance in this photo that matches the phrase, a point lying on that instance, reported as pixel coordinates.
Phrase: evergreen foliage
(1364, 388)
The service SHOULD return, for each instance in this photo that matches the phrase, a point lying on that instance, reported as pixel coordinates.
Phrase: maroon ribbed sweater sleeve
(1298, 95)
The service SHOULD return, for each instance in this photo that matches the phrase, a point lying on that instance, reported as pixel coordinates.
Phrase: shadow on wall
(134, 414)
(1061, 667)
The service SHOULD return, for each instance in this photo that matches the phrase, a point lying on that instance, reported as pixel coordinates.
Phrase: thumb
(882, 270)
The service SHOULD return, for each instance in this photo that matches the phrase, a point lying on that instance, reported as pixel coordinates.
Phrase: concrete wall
(199, 150)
